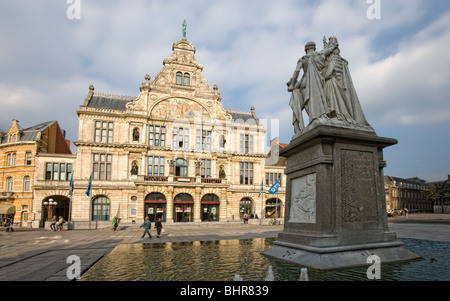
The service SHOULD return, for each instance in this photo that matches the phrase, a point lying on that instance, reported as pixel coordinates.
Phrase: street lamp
(50, 203)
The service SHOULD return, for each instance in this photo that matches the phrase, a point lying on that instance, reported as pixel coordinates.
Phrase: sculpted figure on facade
(325, 90)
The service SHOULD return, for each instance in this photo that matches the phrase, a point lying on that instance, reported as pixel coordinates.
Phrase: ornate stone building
(173, 152)
(19, 152)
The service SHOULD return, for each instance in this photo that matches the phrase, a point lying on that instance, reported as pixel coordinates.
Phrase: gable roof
(29, 134)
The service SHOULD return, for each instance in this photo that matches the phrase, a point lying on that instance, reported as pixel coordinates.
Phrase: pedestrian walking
(146, 225)
(53, 224)
(115, 222)
(406, 212)
(158, 227)
(9, 225)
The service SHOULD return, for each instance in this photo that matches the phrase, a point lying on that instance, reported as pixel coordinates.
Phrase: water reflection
(222, 260)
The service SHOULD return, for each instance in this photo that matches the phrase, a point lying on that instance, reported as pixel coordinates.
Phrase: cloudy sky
(398, 53)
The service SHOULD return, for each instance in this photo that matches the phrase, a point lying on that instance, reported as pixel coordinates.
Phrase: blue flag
(71, 185)
(274, 188)
(262, 188)
(88, 190)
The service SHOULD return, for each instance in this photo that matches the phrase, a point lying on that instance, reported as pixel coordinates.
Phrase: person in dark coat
(158, 227)
(146, 225)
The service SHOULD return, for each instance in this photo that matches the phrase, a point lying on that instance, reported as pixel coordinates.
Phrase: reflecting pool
(222, 260)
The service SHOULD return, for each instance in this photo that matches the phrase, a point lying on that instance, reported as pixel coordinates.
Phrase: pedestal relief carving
(303, 192)
(358, 187)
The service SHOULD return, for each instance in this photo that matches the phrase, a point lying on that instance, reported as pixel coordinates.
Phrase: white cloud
(411, 86)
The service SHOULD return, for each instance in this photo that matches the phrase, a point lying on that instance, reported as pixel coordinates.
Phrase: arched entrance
(273, 208)
(101, 208)
(245, 206)
(155, 206)
(61, 208)
(183, 205)
(210, 208)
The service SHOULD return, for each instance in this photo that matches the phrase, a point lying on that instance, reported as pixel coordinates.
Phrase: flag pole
(70, 201)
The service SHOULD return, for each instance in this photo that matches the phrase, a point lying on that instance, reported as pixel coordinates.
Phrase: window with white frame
(180, 137)
(203, 140)
(103, 131)
(205, 169)
(246, 173)
(102, 166)
(156, 135)
(9, 184)
(26, 183)
(246, 144)
(155, 166)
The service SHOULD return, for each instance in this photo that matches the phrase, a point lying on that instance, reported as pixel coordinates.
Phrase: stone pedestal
(335, 201)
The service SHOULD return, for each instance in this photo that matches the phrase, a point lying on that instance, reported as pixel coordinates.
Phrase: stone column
(169, 205)
(197, 205)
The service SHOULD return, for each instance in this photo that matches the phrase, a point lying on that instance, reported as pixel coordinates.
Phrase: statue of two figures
(325, 91)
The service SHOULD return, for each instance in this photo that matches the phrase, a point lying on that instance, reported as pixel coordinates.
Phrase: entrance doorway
(245, 206)
(210, 208)
(183, 208)
(155, 206)
(273, 208)
(60, 209)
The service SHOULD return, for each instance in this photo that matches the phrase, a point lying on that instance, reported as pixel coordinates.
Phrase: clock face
(176, 108)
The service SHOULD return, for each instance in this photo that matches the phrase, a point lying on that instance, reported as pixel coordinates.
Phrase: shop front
(183, 205)
(210, 208)
(155, 206)
(245, 206)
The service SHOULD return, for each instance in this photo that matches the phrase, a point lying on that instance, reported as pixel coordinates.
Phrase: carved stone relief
(358, 184)
(303, 199)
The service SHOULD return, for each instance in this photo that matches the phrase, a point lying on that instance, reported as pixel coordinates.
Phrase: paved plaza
(41, 255)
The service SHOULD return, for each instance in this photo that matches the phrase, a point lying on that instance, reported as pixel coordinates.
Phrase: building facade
(173, 152)
(406, 193)
(19, 150)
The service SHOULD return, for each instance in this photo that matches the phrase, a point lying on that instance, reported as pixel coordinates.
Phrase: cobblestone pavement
(39, 255)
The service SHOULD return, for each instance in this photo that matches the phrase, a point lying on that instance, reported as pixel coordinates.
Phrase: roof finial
(184, 30)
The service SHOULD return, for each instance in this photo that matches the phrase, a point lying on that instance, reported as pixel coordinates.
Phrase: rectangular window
(155, 166)
(48, 171)
(62, 172)
(180, 137)
(246, 173)
(26, 183)
(203, 140)
(28, 158)
(68, 171)
(102, 166)
(246, 144)
(157, 135)
(103, 132)
(271, 178)
(11, 159)
(55, 171)
(205, 169)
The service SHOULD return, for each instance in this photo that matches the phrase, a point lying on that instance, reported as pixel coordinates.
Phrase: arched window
(100, 209)
(9, 184)
(181, 168)
(179, 78)
(187, 79)
(26, 183)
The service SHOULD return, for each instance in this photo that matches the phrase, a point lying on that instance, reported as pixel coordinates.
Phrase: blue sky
(249, 48)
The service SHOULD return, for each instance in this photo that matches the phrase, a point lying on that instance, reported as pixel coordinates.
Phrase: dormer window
(187, 79)
(179, 78)
(183, 79)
